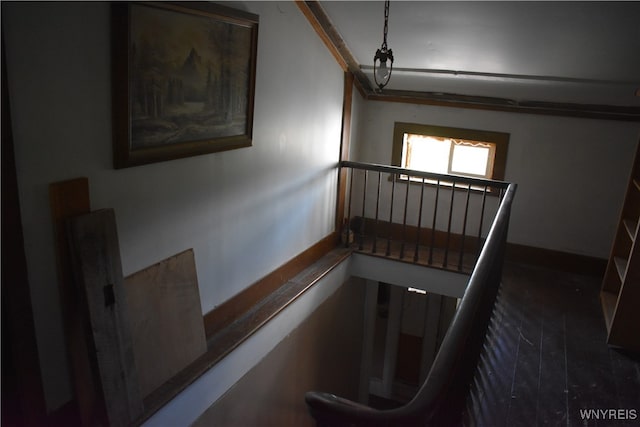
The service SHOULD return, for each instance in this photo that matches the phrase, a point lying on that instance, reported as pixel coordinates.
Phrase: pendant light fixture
(383, 60)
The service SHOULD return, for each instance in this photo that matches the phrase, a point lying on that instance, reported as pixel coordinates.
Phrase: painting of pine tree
(190, 77)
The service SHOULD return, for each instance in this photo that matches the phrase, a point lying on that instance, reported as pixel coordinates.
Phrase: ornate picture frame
(183, 80)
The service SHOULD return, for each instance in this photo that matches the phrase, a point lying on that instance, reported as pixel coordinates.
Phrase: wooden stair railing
(419, 217)
(442, 397)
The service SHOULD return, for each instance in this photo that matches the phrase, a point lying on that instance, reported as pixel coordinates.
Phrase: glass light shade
(382, 72)
(382, 66)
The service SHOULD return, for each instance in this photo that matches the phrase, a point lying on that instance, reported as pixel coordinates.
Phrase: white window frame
(496, 141)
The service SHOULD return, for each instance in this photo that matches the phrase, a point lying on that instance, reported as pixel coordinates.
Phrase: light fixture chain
(383, 59)
(386, 24)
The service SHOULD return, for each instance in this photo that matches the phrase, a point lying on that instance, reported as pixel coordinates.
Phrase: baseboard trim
(557, 260)
(223, 315)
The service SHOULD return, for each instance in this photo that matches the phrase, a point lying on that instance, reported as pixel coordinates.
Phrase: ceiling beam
(603, 112)
(505, 76)
(328, 33)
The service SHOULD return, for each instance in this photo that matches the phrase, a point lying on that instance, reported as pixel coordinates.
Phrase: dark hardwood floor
(546, 360)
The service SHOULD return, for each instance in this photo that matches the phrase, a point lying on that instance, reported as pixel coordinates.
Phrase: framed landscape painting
(183, 80)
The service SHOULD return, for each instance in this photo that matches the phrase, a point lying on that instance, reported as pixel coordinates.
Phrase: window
(453, 151)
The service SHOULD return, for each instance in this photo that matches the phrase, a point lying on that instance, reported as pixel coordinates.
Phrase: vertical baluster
(433, 224)
(484, 199)
(416, 254)
(346, 243)
(464, 227)
(364, 200)
(375, 227)
(404, 221)
(446, 248)
(393, 189)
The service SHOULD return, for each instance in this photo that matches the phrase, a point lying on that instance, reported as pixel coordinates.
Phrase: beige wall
(323, 354)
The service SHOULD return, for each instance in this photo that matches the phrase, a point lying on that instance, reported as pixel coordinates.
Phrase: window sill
(447, 185)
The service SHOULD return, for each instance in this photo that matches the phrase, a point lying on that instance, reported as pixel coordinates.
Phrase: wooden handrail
(480, 182)
(441, 398)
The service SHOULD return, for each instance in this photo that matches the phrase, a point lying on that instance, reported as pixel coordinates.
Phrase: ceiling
(553, 52)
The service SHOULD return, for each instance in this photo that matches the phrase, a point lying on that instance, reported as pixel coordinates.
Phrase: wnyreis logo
(608, 414)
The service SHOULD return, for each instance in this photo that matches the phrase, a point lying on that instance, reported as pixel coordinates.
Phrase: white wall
(571, 173)
(245, 212)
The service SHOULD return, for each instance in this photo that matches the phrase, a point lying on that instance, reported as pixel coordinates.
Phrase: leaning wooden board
(97, 272)
(71, 198)
(166, 319)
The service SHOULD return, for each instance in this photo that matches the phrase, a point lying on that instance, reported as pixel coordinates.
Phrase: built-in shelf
(631, 227)
(621, 267)
(609, 301)
(620, 293)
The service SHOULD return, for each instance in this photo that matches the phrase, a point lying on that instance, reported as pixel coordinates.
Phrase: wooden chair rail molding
(223, 315)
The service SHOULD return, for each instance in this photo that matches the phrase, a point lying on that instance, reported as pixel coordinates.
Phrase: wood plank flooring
(546, 357)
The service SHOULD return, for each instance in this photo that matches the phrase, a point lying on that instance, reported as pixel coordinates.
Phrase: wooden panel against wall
(166, 319)
(97, 272)
(67, 199)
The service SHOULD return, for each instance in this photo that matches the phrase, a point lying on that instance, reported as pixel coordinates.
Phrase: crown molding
(329, 34)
